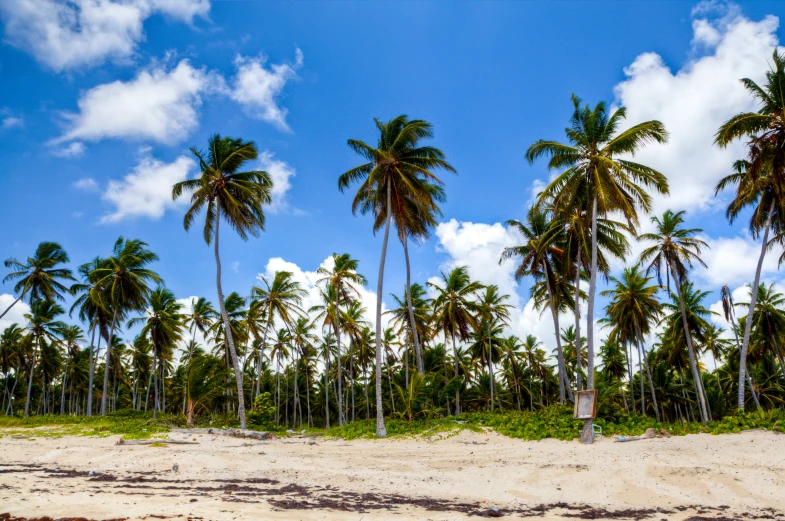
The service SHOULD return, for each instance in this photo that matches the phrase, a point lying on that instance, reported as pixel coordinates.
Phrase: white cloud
(733, 261)
(280, 173)
(159, 105)
(87, 184)
(258, 88)
(17, 313)
(236, 266)
(147, 190)
(67, 34)
(74, 149)
(695, 100)
(10, 122)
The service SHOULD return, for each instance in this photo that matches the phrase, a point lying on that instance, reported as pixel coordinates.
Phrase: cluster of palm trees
(446, 349)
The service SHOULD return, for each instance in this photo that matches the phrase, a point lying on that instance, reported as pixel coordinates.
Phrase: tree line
(447, 347)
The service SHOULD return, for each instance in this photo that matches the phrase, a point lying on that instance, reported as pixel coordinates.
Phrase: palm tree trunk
(578, 354)
(779, 356)
(752, 391)
(107, 363)
(690, 349)
(65, 378)
(238, 375)
(381, 430)
(586, 435)
(559, 351)
(155, 386)
(458, 391)
(278, 392)
(490, 362)
(648, 372)
(147, 394)
(261, 353)
(412, 323)
(10, 409)
(341, 417)
(30, 379)
(12, 304)
(642, 378)
(93, 355)
(753, 297)
(628, 355)
(389, 381)
(326, 386)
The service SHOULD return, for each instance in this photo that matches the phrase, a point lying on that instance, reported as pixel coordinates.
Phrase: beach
(444, 477)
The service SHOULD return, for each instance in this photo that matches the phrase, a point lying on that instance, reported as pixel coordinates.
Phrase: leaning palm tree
(396, 176)
(223, 190)
(342, 281)
(597, 179)
(122, 281)
(455, 311)
(279, 300)
(760, 179)
(675, 250)
(40, 277)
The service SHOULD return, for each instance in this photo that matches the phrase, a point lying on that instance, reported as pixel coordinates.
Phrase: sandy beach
(443, 478)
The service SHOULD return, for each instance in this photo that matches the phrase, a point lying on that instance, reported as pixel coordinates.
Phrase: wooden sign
(586, 405)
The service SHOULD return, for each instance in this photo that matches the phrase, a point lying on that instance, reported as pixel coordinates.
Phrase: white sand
(744, 472)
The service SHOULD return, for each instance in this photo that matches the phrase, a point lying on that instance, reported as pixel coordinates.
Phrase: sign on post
(586, 405)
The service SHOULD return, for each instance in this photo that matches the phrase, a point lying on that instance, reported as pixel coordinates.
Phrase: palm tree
(42, 325)
(541, 257)
(122, 282)
(728, 310)
(279, 300)
(163, 324)
(455, 311)
(769, 319)
(633, 310)
(39, 278)
(341, 283)
(760, 180)
(595, 174)
(675, 249)
(11, 341)
(493, 312)
(395, 178)
(71, 336)
(222, 190)
(200, 318)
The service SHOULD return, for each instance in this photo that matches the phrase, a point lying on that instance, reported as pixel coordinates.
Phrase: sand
(443, 478)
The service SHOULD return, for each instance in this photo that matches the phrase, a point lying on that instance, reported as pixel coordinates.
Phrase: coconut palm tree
(415, 323)
(769, 320)
(599, 180)
(542, 256)
(455, 310)
(164, 324)
(279, 300)
(760, 180)
(342, 281)
(675, 250)
(122, 282)
(395, 177)
(226, 192)
(199, 318)
(10, 357)
(633, 310)
(40, 277)
(493, 311)
(42, 326)
(71, 337)
(729, 311)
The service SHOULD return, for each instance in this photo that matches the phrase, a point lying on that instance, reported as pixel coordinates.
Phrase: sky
(101, 100)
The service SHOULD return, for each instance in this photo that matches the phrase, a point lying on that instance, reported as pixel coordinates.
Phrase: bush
(263, 413)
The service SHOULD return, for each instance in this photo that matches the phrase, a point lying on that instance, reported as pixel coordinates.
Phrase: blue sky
(99, 105)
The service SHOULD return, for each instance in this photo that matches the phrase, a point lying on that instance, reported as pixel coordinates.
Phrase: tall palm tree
(633, 310)
(42, 325)
(123, 283)
(675, 250)
(40, 277)
(279, 300)
(729, 311)
(597, 179)
(395, 177)
(769, 319)
(199, 318)
(455, 311)
(493, 310)
(11, 341)
(342, 281)
(542, 256)
(163, 324)
(223, 190)
(71, 337)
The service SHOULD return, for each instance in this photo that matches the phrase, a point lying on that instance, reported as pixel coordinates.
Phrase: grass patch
(130, 424)
(366, 429)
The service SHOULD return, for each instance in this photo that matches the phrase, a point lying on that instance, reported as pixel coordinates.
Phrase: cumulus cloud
(17, 313)
(733, 261)
(68, 34)
(695, 100)
(73, 149)
(147, 190)
(158, 105)
(257, 88)
(280, 173)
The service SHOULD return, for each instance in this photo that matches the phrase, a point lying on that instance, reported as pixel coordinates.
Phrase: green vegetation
(129, 424)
